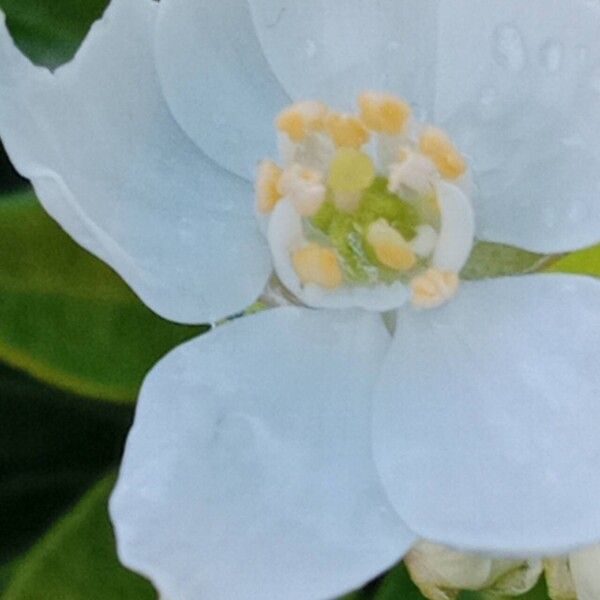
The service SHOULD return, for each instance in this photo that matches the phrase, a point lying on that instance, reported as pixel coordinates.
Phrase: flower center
(367, 210)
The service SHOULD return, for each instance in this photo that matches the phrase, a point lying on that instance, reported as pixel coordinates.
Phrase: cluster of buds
(441, 574)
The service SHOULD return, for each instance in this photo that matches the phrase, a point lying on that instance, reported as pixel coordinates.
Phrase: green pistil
(347, 232)
(377, 202)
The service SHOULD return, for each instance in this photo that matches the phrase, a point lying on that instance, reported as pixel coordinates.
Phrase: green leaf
(67, 318)
(10, 180)
(583, 262)
(358, 595)
(49, 32)
(499, 260)
(6, 573)
(397, 584)
(53, 446)
(76, 560)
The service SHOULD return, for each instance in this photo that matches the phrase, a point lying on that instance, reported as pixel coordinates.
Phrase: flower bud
(441, 573)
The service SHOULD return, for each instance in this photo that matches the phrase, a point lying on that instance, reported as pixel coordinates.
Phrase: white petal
(457, 231)
(248, 472)
(285, 233)
(113, 168)
(333, 51)
(519, 90)
(217, 81)
(585, 570)
(487, 417)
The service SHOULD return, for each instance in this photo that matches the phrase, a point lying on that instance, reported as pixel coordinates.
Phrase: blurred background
(75, 344)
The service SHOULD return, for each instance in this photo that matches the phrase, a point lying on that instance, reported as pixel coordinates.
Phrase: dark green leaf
(9, 178)
(6, 572)
(397, 584)
(53, 446)
(358, 595)
(67, 318)
(49, 32)
(76, 560)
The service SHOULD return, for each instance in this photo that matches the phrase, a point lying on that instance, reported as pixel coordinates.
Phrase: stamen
(348, 230)
(433, 288)
(346, 131)
(384, 113)
(423, 244)
(436, 144)
(304, 187)
(413, 171)
(267, 182)
(391, 249)
(301, 119)
(318, 264)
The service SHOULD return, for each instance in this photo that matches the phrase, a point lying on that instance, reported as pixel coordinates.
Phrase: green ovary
(347, 232)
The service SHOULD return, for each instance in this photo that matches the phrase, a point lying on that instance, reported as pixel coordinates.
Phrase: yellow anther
(391, 249)
(384, 113)
(302, 119)
(304, 187)
(351, 171)
(267, 186)
(433, 288)
(346, 131)
(436, 144)
(318, 264)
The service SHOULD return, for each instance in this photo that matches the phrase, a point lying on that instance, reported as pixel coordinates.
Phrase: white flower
(297, 453)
